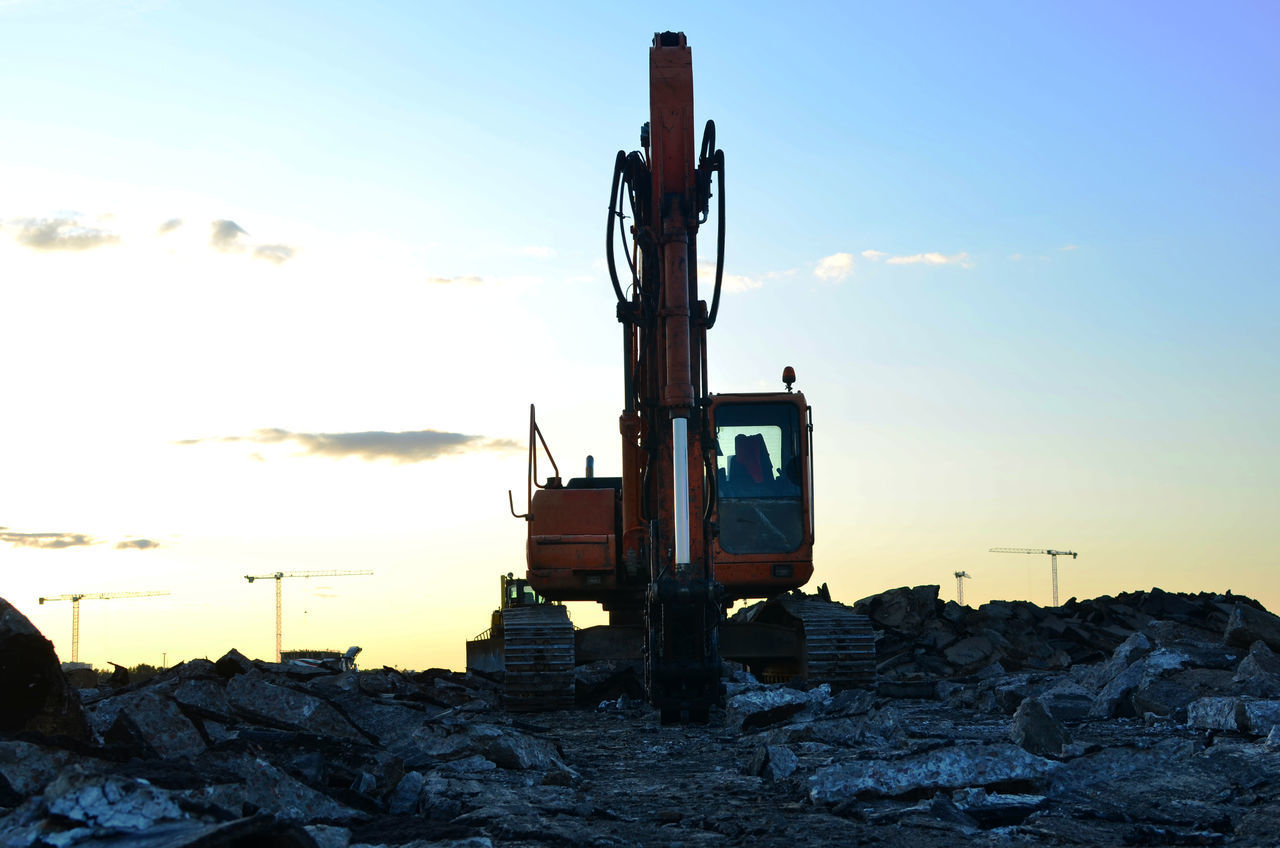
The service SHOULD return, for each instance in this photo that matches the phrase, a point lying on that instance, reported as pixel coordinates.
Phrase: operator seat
(749, 467)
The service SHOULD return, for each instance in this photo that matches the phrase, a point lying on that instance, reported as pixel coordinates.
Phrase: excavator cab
(763, 495)
(516, 592)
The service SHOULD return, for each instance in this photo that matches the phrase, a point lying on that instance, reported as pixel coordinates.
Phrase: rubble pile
(1156, 721)
(921, 637)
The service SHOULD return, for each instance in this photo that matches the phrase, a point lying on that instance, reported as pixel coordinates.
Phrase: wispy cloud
(737, 283)
(1070, 247)
(60, 541)
(74, 232)
(730, 283)
(66, 232)
(468, 280)
(398, 447)
(934, 258)
(835, 267)
(275, 253)
(137, 544)
(225, 236)
(48, 541)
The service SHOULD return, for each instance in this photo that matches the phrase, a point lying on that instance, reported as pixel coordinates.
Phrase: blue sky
(1021, 256)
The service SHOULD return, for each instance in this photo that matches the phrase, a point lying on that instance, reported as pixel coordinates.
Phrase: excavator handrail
(531, 479)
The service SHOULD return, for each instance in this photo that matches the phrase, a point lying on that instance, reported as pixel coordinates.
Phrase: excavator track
(538, 657)
(840, 645)
(808, 637)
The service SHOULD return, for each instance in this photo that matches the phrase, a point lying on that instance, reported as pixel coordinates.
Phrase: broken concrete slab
(154, 721)
(762, 707)
(1258, 716)
(232, 663)
(27, 768)
(270, 789)
(1162, 698)
(205, 697)
(1035, 731)
(1248, 624)
(1067, 701)
(772, 762)
(905, 609)
(253, 695)
(970, 652)
(1216, 713)
(1114, 700)
(955, 767)
(1258, 673)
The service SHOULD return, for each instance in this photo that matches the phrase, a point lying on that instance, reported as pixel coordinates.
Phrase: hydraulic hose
(619, 168)
(711, 160)
(630, 175)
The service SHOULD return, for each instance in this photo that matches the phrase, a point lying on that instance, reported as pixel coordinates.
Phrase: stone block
(1247, 625)
(1214, 713)
(763, 707)
(1067, 701)
(1162, 698)
(252, 695)
(1259, 716)
(1037, 732)
(1114, 701)
(973, 651)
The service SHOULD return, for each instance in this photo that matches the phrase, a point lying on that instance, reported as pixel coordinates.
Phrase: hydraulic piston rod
(680, 479)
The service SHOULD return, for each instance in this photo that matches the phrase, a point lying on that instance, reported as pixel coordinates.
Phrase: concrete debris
(273, 704)
(1037, 732)
(1145, 718)
(951, 767)
(772, 762)
(1219, 713)
(765, 705)
(1248, 624)
(1066, 701)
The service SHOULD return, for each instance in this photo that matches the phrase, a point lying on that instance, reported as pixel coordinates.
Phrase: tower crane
(1051, 553)
(280, 575)
(76, 597)
(961, 576)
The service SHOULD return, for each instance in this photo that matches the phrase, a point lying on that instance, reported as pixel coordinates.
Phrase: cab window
(759, 486)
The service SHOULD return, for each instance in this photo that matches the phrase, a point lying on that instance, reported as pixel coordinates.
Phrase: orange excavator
(715, 501)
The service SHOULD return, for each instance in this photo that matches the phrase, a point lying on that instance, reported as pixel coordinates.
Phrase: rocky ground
(1146, 719)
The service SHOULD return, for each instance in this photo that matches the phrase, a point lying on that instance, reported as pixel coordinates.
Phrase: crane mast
(76, 597)
(280, 575)
(1053, 557)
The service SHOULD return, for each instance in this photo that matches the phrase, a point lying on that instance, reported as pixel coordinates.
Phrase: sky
(281, 280)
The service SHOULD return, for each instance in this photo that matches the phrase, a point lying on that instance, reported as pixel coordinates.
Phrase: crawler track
(538, 648)
(840, 645)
